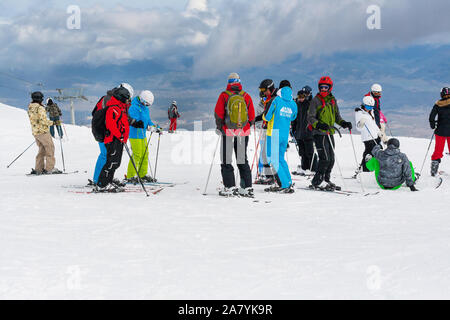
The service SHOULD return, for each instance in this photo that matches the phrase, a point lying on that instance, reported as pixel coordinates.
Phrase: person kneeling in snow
(392, 168)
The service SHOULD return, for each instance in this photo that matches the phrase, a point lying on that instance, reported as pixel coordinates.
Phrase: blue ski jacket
(282, 111)
(139, 112)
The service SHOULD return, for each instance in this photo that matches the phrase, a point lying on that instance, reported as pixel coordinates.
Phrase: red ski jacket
(219, 112)
(116, 121)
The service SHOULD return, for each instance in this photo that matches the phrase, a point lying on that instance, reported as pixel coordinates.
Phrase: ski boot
(265, 180)
(148, 179)
(332, 187)
(299, 172)
(118, 183)
(228, 192)
(132, 180)
(110, 188)
(33, 171)
(246, 192)
(321, 186)
(435, 167)
(288, 190)
(54, 171)
(273, 188)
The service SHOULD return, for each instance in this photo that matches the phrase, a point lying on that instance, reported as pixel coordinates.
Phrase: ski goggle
(324, 87)
(302, 96)
(376, 93)
(368, 107)
(234, 80)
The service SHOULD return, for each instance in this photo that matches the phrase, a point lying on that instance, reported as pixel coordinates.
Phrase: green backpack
(236, 111)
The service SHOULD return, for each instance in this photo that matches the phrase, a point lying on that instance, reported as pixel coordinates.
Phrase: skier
(282, 112)
(322, 115)
(375, 92)
(392, 168)
(302, 133)
(54, 113)
(139, 119)
(45, 159)
(117, 132)
(267, 93)
(365, 123)
(173, 116)
(234, 114)
(101, 160)
(442, 128)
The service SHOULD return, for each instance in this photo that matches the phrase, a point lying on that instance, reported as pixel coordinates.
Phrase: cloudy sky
(184, 50)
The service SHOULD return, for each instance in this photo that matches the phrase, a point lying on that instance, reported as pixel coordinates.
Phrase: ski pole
(356, 161)
(365, 125)
(257, 146)
(142, 161)
(65, 132)
(389, 127)
(62, 154)
(212, 163)
(335, 157)
(134, 165)
(426, 155)
(20, 154)
(296, 145)
(157, 155)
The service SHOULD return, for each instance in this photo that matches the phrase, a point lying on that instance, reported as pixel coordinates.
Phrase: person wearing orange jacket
(234, 114)
(117, 132)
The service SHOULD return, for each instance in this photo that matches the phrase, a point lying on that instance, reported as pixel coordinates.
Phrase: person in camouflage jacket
(54, 113)
(45, 159)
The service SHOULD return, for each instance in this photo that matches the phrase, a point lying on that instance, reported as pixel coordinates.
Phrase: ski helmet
(122, 94)
(129, 88)
(376, 89)
(305, 91)
(325, 81)
(368, 102)
(147, 97)
(284, 83)
(445, 92)
(266, 84)
(37, 97)
(394, 143)
(174, 102)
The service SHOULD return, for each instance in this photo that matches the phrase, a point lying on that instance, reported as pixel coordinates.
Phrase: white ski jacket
(365, 123)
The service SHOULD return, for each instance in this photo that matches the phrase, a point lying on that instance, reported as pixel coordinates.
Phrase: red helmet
(326, 80)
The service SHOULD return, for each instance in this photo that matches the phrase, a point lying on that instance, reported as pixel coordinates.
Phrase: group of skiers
(311, 121)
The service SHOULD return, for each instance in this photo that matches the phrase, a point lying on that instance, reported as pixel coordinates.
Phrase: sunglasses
(324, 87)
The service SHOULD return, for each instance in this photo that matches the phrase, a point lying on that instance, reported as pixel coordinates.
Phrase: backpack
(99, 121)
(172, 112)
(236, 113)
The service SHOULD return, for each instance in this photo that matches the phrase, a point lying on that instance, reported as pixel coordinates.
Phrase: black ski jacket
(300, 127)
(442, 110)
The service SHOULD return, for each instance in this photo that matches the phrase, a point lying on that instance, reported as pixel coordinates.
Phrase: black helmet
(285, 83)
(445, 92)
(121, 94)
(266, 84)
(37, 97)
(306, 90)
(394, 143)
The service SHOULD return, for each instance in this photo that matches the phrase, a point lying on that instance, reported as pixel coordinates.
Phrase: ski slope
(180, 244)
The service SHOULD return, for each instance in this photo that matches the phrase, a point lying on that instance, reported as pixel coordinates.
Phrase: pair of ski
(341, 192)
(127, 189)
(50, 174)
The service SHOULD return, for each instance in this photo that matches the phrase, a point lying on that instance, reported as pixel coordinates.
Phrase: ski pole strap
(339, 132)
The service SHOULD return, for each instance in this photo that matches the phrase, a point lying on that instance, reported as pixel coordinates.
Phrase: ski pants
(264, 168)
(306, 152)
(374, 165)
(101, 160)
(58, 127)
(439, 147)
(113, 159)
(278, 162)
(140, 157)
(369, 145)
(173, 124)
(326, 158)
(45, 159)
(239, 145)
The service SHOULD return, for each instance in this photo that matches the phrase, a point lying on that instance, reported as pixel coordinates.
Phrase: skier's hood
(286, 94)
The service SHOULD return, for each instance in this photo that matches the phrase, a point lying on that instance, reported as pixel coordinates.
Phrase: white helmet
(368, 101)
(376, 88)
(174, 102)
(147, 97)
(129, 88)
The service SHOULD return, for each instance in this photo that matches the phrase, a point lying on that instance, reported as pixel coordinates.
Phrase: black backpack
(98, 125)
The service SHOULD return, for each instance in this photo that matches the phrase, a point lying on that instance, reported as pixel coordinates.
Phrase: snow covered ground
(180, 244)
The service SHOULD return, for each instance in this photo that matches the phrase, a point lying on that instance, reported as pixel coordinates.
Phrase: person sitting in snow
(392, 168)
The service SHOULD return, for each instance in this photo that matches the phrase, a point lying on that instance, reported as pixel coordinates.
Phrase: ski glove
(413, 188)
(433, 124)
(322, 126)
(346, 125)
(138, 124)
